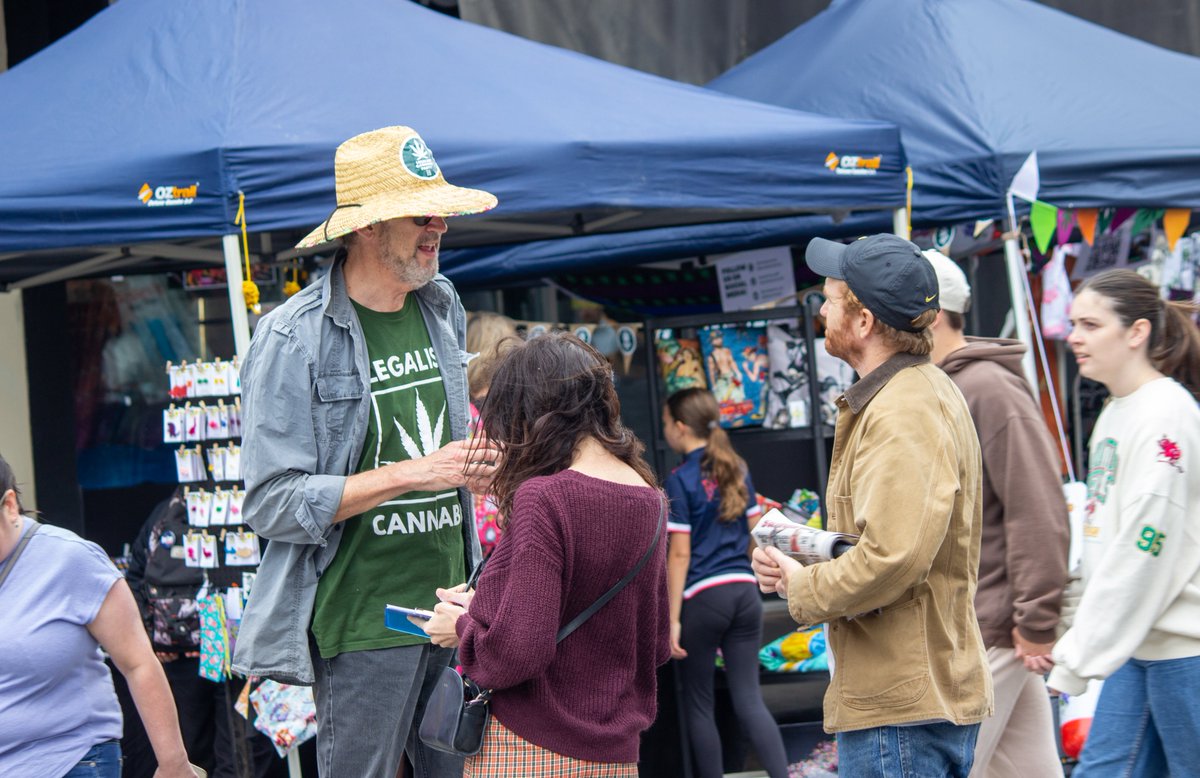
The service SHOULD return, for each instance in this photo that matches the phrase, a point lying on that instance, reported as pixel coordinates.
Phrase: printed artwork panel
(736, 363)
(679, 361)
(788, 396)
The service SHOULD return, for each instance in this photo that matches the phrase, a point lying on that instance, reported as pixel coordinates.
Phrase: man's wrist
(401, 477)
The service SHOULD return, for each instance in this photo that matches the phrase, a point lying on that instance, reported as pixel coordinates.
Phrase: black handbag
(457, 713)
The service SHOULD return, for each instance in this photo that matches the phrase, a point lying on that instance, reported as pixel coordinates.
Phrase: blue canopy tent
(497, 264)
(976, 85)
(144, 124)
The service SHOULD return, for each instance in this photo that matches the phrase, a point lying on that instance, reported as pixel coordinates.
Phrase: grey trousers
(369, 708)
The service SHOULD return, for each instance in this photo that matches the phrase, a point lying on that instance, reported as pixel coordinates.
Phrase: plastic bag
(1076, 716)
(214, 638)
(286, 714)
(1056, 297)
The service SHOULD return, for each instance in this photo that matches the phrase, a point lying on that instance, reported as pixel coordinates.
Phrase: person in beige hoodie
(1023, 554)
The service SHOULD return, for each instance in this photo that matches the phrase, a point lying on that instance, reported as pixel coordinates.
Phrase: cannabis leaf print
(430, 436)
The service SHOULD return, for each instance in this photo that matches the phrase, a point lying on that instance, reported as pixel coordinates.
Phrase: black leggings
(729, 617)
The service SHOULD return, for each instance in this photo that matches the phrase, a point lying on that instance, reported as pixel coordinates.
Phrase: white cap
(953, 290)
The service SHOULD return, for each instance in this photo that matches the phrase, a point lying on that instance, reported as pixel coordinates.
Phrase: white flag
(1025, 182)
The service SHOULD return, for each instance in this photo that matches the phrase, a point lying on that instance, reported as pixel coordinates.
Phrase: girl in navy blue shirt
(715, 601)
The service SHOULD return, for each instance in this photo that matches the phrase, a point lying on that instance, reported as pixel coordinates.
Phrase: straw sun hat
(387, 174)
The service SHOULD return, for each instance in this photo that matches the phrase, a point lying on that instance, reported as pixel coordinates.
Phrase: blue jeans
(1147, 722)
(938, 750)
(101, 761)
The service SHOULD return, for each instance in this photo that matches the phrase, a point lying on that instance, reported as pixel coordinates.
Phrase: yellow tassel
(249, 288)
(250, 292)
(292, 285)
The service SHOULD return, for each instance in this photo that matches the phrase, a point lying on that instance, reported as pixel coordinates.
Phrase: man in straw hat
(355, 414)
(911, 683)
(1023, 552)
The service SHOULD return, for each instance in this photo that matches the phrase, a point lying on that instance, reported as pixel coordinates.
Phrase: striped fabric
(506, 755)
(717, 580)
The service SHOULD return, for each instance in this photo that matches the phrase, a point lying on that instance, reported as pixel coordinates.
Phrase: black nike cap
(889, 274)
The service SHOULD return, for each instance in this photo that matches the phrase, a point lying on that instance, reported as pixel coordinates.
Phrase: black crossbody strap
(16, 554)
(604, 598)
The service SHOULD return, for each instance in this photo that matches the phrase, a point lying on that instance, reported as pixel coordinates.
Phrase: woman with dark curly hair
(580, 510)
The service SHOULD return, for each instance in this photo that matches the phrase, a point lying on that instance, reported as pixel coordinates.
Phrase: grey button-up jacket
(306, 402)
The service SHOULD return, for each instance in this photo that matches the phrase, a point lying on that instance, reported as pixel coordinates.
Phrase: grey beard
(412, 274)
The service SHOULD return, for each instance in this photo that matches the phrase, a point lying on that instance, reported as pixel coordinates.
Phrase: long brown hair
(698, 411)
(548, 394)
(1174, 345)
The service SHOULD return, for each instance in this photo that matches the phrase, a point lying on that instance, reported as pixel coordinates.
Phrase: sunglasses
(420, 221)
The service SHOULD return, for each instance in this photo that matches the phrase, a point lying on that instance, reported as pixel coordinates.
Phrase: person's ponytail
(729, 471)
(697, 409)
(1177, 352)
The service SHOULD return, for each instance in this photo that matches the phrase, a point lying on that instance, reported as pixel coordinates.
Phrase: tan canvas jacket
(900, 605)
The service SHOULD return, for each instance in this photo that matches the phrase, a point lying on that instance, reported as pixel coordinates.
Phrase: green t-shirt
(399, 552)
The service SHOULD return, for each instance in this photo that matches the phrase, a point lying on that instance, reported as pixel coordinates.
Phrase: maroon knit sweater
(569, 539)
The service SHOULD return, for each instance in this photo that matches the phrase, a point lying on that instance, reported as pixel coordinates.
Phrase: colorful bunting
(981, 225)
(1065, 223)
(1175, 223)
(1043, 217)
(1120, 216)
(1144, 218)
(1086, 218)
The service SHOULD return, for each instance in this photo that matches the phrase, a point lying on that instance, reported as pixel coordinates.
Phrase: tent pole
(900, 223)
(1016, 289)
(237, 303)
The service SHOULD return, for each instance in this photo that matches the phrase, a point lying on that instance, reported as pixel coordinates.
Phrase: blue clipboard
(396, 618)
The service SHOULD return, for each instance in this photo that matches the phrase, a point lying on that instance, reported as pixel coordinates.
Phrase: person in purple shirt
(62, 600)
(714, 596)
(580, 509)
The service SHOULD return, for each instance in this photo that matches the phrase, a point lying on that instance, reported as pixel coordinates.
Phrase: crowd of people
(395, 448)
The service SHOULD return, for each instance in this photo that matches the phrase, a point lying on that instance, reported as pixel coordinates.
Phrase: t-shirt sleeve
(679, 519)
(84, 580)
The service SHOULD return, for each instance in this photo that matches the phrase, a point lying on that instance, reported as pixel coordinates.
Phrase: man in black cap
(911, 680)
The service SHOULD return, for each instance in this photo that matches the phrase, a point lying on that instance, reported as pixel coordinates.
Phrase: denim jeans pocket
(102, 760)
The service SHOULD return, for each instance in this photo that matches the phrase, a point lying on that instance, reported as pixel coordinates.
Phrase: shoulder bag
(457, 714)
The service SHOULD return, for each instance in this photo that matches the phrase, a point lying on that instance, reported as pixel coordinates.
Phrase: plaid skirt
(506, 755)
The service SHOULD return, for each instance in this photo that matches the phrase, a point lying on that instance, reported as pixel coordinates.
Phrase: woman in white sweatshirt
(1138, 622)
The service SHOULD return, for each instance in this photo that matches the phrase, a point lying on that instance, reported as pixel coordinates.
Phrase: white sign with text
(752, 278)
